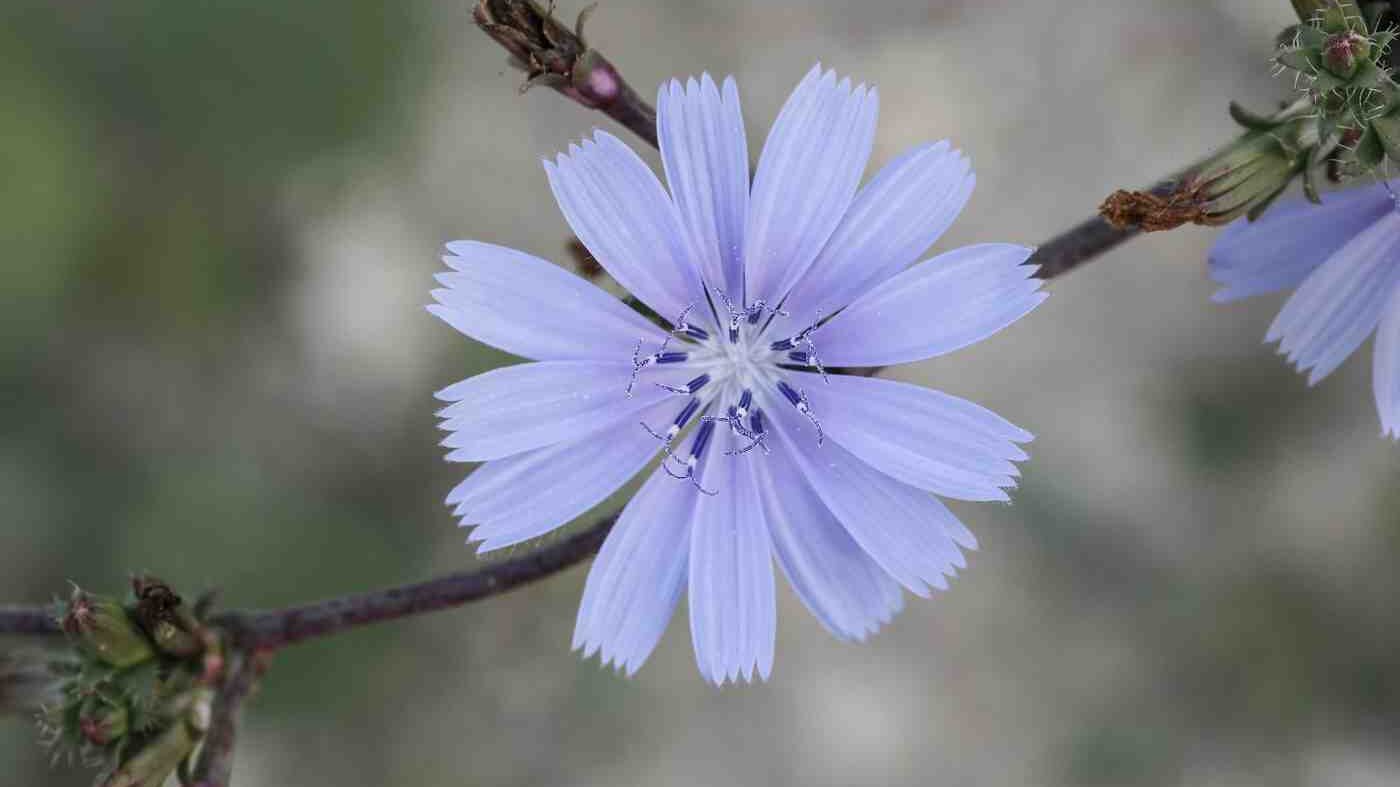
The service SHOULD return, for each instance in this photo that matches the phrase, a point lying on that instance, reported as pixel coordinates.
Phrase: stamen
(689, 388)
(735, 420)
(755, 434)
(639, 363)
(686, 329)
(735, 316)
(798, 399)
(760, 306)
(804, 338)
(672, 357)
(675, 427)
(697, 449)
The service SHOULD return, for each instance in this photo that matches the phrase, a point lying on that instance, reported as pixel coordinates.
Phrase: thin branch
(215, 765)
(277, 628)
(31, 621)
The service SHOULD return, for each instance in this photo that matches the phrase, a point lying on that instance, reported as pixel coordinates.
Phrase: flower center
(740, 361)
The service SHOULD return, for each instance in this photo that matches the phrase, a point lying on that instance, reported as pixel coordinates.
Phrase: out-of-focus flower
(767, 452)
(1343, 258)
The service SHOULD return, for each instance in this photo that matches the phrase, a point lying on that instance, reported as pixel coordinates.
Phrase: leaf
(1250, 120)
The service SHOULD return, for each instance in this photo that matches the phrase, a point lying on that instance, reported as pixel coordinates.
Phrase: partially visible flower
(1343, 256)
(766, 451)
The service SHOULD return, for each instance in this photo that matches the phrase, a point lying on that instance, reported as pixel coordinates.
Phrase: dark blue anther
(689, 388)
(696, 333)
(756, 423)
(787, 391)
(687, 412)
(745, 399)
(672, 357)
(702, 438)
(802, 358)
(785, 344)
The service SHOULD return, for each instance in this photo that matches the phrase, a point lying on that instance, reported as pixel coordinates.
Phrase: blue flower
(1343, 256)
(766, 452)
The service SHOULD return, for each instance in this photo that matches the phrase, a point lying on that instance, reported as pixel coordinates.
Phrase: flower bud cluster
(1338, 56)
(134, 700)
(1345, 124)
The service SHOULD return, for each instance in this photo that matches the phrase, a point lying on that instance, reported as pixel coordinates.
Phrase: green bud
(1247, 176)
(102, 628)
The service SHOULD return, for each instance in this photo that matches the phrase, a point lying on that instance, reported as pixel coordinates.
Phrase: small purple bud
(1343, 51)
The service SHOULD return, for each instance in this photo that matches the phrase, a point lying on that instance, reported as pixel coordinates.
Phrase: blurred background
(221, 219)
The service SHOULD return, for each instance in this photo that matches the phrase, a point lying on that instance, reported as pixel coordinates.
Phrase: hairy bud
(1342, 52)
(102, 628)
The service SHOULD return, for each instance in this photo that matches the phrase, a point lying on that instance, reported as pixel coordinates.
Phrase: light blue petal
(1386, 367)
(1339, 305)
(532, 308)
(807, 174)
(733, 612)
(843, 588)
(894, 219)
(907, 531)
(1291, 239)
(949, 302)
(519, 408)
(525, 496)
(637, 578)
(706, 156)
(946, 445)
(628, 222)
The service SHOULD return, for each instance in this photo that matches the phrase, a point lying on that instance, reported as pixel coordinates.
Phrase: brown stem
(1086, 240)
(32, 621)
(278, 628)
